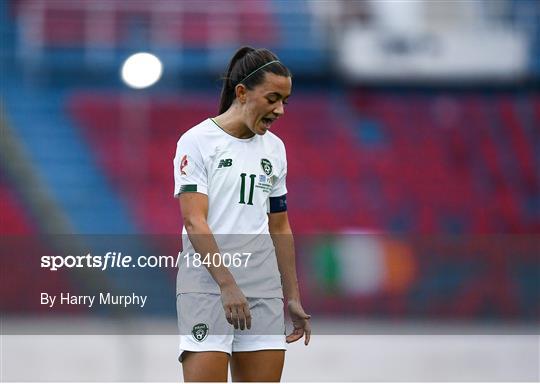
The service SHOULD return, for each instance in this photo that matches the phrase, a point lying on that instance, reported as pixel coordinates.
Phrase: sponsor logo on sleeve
(183, 165)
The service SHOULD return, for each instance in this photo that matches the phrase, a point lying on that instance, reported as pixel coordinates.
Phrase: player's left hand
(300, 320)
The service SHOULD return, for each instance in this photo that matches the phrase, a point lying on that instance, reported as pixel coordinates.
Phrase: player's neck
(231, 122)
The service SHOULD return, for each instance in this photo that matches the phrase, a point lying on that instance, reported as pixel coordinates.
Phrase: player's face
(266, 102)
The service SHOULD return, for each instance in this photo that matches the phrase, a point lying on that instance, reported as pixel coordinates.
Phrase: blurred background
(413, 143)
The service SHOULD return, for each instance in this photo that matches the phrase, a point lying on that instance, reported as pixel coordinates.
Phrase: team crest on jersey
(266, 166)
(200, 331)
(183, 165)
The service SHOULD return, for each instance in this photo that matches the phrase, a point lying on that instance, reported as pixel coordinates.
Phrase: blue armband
(278, 204)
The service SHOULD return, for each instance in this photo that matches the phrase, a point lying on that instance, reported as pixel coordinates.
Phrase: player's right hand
(236, 307)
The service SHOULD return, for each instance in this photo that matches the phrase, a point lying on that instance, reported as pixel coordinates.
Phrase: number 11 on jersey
(243, 189)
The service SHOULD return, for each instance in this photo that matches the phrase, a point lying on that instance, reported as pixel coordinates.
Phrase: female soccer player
(238, 260)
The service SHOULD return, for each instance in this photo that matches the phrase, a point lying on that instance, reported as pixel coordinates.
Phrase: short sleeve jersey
(239, 176)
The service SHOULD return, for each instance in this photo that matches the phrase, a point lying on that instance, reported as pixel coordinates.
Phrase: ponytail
(227, 92)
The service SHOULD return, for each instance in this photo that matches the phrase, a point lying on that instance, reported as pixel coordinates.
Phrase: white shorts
(203, 326)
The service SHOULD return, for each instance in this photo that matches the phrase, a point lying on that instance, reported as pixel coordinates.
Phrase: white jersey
(238, 176)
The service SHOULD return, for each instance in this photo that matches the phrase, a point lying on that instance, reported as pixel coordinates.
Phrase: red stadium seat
(443, 165)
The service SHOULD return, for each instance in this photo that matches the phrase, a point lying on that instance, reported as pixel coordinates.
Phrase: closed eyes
(272, 100)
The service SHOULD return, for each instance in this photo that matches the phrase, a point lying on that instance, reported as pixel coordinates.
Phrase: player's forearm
(204, 243)
(284, 245)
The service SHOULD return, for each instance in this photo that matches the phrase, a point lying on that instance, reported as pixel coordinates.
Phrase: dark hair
(243, 63)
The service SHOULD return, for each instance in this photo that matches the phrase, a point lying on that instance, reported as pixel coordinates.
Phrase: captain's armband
(278, 204)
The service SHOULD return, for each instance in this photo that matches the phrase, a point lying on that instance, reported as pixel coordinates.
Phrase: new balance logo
(225, 163)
